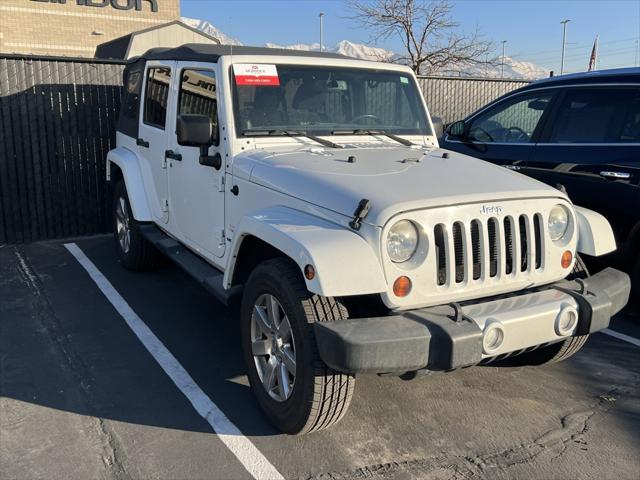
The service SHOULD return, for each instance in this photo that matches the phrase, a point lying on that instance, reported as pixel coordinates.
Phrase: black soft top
(202, 52)
(192, 52)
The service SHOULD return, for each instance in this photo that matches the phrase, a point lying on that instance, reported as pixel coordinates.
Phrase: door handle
(615, 175)
(173, 155)
(141, 142)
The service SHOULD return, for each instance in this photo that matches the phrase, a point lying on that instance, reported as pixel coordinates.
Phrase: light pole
(504, 42)
(321, 32)
(564, 42)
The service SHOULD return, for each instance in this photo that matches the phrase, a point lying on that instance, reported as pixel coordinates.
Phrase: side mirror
(539, 104)
(457, 129)
(194, 130)
(197, 131)
(438, 127)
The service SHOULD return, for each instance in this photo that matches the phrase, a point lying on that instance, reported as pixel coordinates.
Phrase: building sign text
(117, 4)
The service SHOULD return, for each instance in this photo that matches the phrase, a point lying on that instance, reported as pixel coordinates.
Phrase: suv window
(155, 97)
(514, 121)
(198, 94)
(598, 115)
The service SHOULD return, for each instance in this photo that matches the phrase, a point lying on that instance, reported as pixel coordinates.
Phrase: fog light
(566, 320)
(493, 337)
(402, 286)
(565, 261)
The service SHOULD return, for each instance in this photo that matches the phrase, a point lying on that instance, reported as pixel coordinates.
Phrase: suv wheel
(298, 392)
(564, 349)
(133, 249)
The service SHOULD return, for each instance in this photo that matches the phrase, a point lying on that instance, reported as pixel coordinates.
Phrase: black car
(579, 132)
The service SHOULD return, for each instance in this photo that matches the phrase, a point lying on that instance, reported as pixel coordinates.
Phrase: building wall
(169, 36)
(74, 28)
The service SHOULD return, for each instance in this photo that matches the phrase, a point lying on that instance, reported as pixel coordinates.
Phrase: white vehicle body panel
(129, 164)
(595, 236)
(344, 263)
(394, 178)
(152, 161)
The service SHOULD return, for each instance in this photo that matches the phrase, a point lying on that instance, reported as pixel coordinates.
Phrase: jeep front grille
(487, 248)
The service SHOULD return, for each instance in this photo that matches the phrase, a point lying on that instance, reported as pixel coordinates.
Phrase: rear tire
(315, 396)
(564, 349)
(134, 251)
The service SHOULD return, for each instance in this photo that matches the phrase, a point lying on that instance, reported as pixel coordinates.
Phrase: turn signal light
(402, 286)
(566, 259)
(309, 272)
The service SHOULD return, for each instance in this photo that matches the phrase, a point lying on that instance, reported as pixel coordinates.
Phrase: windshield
(325, 100)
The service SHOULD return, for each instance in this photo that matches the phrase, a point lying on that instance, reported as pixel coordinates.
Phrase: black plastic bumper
(431, 339)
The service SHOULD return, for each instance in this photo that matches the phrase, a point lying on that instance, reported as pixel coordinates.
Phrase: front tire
(297, 391)
(134, 251)
(564, 349)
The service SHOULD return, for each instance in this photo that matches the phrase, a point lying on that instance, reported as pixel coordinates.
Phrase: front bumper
(449, 337)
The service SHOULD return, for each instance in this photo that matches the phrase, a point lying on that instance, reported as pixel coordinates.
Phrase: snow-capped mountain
(345, 47)
(512, 68)
(209, 29)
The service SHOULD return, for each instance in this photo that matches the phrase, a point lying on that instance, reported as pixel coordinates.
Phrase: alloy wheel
(273, 347)
(123, 229)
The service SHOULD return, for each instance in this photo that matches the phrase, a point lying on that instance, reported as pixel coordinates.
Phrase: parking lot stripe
(244, 450)
(622, 336)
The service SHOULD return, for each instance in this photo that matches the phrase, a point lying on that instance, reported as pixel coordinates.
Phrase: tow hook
(361, 213)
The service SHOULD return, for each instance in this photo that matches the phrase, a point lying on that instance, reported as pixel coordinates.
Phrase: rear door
(505, 133)
(152, 136)
(591, 146)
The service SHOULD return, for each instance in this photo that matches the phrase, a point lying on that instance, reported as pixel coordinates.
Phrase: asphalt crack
(110, 446)
(570, 434)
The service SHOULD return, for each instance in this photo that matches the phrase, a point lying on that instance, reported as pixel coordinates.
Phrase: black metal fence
(57, 123)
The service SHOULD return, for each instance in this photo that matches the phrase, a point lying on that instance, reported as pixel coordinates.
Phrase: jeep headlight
(402, 241)
(558, 222)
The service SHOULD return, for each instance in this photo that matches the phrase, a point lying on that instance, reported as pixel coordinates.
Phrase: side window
(598, 115)
(512, 122)
(631, 125)
(156, 95)
(130, 107)
(198, 95)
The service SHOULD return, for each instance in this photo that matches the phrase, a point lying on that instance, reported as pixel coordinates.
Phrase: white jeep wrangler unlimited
(312, 185)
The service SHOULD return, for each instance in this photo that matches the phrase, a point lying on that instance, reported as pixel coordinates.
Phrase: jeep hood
(393, 179)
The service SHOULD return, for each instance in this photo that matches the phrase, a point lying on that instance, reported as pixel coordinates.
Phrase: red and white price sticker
(256, 74)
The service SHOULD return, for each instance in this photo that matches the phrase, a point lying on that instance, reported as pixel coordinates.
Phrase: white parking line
(245, 451)
(622, 336)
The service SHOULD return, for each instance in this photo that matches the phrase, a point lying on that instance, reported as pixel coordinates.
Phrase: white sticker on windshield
(404, 80)
(256, 74)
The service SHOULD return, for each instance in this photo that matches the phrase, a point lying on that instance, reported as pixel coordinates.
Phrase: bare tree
(432, 39)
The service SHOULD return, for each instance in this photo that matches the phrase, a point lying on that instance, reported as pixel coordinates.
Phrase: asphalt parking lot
(81, 396)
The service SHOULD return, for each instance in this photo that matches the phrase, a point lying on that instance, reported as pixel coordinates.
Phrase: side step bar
(206, 274)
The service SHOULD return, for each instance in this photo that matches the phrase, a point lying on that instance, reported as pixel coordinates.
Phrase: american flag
(594, 55)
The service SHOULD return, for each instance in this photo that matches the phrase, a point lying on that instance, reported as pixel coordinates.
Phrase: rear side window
(130, 105)
(156, 95)
(598, 115)
(198, 94)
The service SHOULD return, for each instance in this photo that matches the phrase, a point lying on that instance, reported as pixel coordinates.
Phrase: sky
(532, 29)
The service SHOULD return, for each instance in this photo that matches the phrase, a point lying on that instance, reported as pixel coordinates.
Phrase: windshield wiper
(289, 133)
(364, 131)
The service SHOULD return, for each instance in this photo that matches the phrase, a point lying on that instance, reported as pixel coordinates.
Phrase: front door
(196, 191)
(152, 136)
